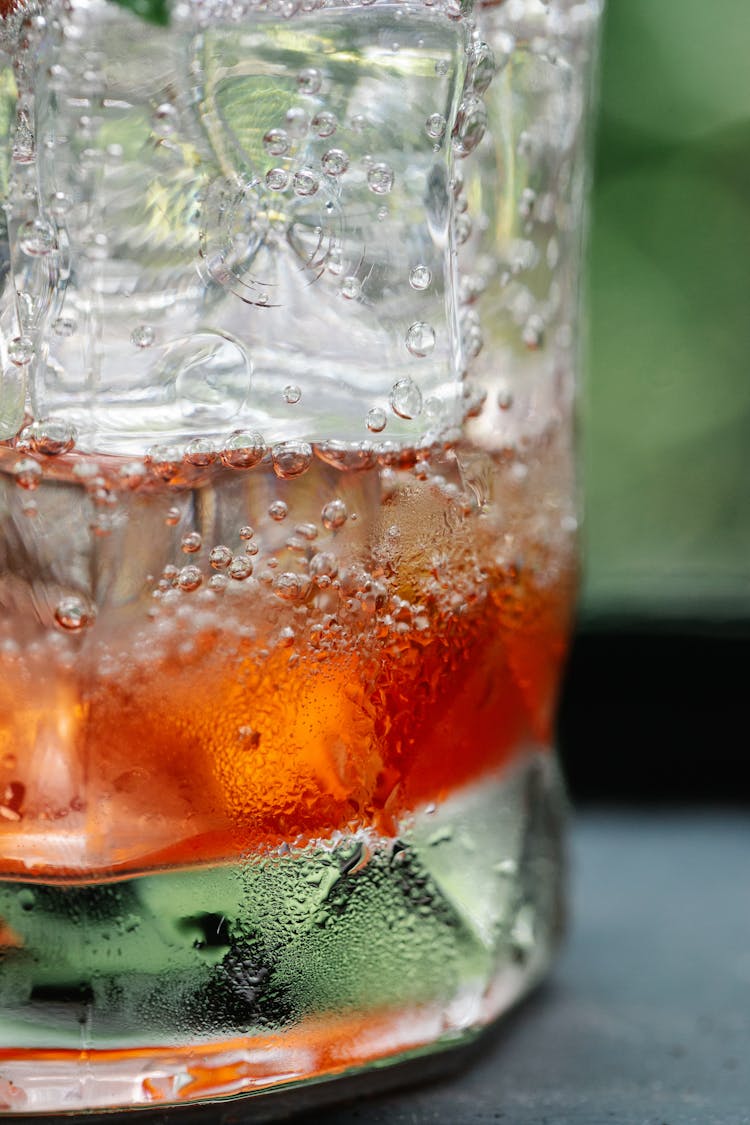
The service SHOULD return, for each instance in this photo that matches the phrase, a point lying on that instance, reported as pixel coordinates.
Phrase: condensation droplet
(278, 510)
(37, 238)
(291, 394)
(470, 125)
(335, 162)
(350, 288)
(276, 142)
(291, 458)
(324, 123)
(333, 515)
(277, 179)
(189, 578)
(435, 126)
(51, 436)
(533, 333)
(21, 351)
(309, 80)
(243, 449)
(201, 452)
(420, 277)
(191, 542)
(380, 178)
(406, 399)
(27, 473)
(73, 613)
(376, 420)
(241, 568)
(420, 339)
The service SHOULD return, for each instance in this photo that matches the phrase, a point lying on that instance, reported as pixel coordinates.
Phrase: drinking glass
(288, 349)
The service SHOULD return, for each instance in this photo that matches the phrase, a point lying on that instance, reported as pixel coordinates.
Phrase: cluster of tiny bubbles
(504, 398)
(309, 80)
(469, 126)
(324, 123)
(191, 542)
(164, 461)
(220, 557)
(350, 288)
(240, 568)
(278, 510)
(51, 436)
(533, 332)
(290, 587)
(21, 351)
(420, 277)
(291, 394)
(277, 179)
(435, 126)
(420, 338)
(298, 121)
(306, 183)
(406, 399)
(246, 532)
(37, 238)
(64, 326)
(243, 449)
(333, 515)
(276, 142)
(335, 162)
(376, 420)
(73, 614)
(189, 578)
(200, 452)
(143, 336)
(27, 473)
(380, 178)
(291, 458)
(172, 517)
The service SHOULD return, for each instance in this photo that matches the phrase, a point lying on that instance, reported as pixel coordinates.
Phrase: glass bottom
(292, 968)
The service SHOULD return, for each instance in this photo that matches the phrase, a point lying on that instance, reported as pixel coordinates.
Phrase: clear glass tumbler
(289, 336)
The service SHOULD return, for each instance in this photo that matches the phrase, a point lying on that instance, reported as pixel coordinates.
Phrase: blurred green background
(666, 426)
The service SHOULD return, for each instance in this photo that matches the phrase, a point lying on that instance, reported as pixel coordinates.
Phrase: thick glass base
(294, 967)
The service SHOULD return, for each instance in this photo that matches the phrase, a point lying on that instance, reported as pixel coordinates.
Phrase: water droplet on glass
(277, 179)
(240, 568)
(291, 458)
(191, 542)
(333, 515)
(309, 80)
(51, 436)
(305, 182)
(406, 399)
(291, 394)
(470, 125)
(420, 338)
(189, 578)
(37, 238)
(380, 178)
(335, 162)
(200, 451)
(533, 333)
(350, 288)
(243, 449)
(276, 142)
(290, 587)
(324, 123)
(420, 277)
(20, 351)
(481, 67)
(278, 510)
(435, 126)
(27, 473)
(73, 613)
(376, 420)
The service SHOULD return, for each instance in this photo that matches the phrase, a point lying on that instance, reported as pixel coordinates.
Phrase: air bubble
(51, 436)
(37, 238)
(526, 203)
(291, 458)
(435, 126)
(309, 80)
(191, 542)
(246, 532)
(64, 326)
(420, 339)
(200, 452)
(165, 119)
(291, 394)
(189, 578)
(27, 473)
(250, 741)
(324, 565)
(504, 399)
(482, 67)
(335, 162)
(305, 182)
(276, 142)
(290, 587)
(406, 399)
(217, 583)
(441, 67)
(376, 420)
(298, 121)
(307, 530)
(533, 333)
(172, 517)
(333, 515)
(59, 204)
(240, 568)
(470, 125)
(21, 351)
(350, 288)
(420, 277)
(73, 614)
(277, 179)
(380, 178)
(324, 123)
(252, 548)
(243, 449)
(278, 510)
